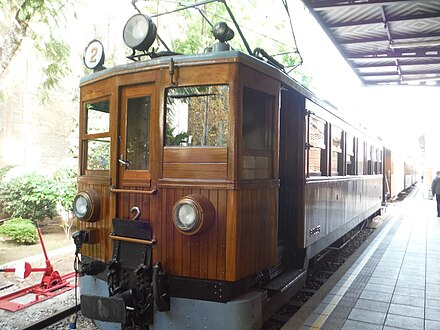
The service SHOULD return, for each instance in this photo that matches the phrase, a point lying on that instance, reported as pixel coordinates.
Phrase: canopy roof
(385, 42)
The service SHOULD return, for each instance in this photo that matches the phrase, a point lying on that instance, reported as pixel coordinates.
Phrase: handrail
(133, 240)
(133, 191)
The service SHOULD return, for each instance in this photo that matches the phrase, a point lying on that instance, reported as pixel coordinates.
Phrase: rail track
(54, 318)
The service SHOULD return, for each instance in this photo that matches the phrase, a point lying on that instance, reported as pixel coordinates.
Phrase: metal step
(283, 280)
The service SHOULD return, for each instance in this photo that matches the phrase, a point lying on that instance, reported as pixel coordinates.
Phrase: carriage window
(350, 151)
(138, 133)
(378, 162)
(361, 158)
(317, 146)
(98, 154)
(370, 159)
(336, 160)
(97, 117)
(197, 116)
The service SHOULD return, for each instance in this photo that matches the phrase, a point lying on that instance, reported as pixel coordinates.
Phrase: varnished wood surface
(243, 238)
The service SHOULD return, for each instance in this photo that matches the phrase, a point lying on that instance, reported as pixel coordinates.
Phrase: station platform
(391, 282)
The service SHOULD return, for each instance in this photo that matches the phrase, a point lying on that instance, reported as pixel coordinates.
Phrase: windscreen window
(197, 116)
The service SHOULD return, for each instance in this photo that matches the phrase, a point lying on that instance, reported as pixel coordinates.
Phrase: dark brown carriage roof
(386, 42)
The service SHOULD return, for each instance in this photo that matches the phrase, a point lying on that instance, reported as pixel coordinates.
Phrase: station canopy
(394, 42)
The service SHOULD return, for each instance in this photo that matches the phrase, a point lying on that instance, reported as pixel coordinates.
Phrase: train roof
(217, 58)
(203, 59)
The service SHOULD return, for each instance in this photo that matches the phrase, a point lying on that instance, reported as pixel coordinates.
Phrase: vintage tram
(206, 184)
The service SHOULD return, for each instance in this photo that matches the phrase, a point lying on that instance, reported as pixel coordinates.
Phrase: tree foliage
(264, 25)
(49, 13)
(30, 196)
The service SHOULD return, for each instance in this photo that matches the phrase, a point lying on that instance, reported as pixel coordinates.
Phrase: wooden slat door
(135, 141)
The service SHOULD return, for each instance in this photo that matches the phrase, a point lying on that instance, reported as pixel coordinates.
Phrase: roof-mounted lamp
(139, 32)
(222, 32)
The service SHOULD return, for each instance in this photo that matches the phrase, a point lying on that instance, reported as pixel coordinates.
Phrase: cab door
(134, 186)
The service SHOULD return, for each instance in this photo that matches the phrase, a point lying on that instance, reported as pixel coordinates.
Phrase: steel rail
(52, 319)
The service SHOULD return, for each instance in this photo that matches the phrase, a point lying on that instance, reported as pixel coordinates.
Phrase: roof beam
(391, 64)
(387, 58)
(398, 73)
(378, 39)
(379, 21)
(324, 5)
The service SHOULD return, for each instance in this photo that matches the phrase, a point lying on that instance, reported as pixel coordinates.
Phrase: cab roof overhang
(394, 42)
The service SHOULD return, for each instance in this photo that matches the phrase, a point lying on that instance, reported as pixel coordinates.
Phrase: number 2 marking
(94, 53)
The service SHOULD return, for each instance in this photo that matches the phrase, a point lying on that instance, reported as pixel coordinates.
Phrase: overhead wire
(204, 12)
(286, 7)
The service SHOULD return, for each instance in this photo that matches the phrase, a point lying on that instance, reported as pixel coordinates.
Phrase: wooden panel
(195, 171)
(101, 251)
(195, 163)
(252, 244)
(195, 155)
(203, 75)
(197, 256)
(96, 90)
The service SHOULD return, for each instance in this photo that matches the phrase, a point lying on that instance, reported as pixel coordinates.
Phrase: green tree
(264, 25)
(47, 12)
(30, 196)
(20, 230)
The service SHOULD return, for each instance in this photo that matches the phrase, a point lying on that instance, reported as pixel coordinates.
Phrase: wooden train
(207, 182)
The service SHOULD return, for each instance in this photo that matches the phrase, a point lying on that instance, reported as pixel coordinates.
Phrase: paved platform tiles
(392, 283)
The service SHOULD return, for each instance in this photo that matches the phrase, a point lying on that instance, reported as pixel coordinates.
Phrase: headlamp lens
(185, 216)
(80, 206)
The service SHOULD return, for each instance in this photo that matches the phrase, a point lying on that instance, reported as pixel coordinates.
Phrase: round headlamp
(139, 32)
(86, 205)
(193, 214)
(222, 32)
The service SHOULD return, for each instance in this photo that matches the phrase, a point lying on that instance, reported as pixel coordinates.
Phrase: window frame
(86, 137)
(322, 147)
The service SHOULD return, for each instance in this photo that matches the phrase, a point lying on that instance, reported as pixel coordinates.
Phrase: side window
(378, 163)
(361, 157)
(316, 146)
(257, 130)
(96, 137)
(336, 148)
(197, 116)
(371, 158)
(350, 154)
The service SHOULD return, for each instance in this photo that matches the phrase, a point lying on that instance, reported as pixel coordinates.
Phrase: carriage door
(134, 163)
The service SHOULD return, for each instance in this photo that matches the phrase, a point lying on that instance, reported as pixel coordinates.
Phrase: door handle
(124, 163)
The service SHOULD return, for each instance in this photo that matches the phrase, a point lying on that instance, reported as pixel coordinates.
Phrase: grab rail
(133, 240)
(132, 191)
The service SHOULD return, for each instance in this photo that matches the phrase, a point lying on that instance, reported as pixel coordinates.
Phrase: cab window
(257, 131)
(96, 138)
(197, 116)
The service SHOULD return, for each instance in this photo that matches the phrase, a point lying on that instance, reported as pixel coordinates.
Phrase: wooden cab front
(196, 151)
